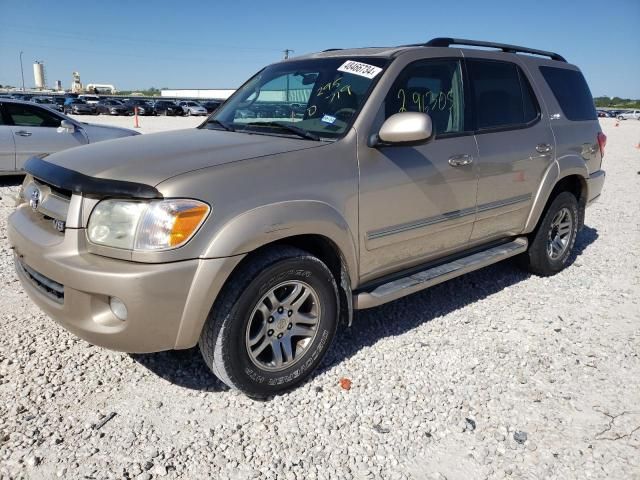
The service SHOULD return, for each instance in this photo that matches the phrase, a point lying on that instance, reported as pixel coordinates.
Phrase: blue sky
(186, 44)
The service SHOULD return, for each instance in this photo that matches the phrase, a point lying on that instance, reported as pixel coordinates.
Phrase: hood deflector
(76, 182)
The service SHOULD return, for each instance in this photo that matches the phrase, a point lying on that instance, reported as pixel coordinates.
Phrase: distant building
(221, 93)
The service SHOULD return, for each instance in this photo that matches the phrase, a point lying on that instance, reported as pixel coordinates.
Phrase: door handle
(460, 160)
(543, 148)
(23, 133)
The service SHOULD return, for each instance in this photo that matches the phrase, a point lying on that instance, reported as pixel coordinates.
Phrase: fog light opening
(118, 308)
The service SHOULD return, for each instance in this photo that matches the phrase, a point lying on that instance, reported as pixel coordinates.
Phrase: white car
(90, 99)
(30, 130)
(629, 115)
(192, 108)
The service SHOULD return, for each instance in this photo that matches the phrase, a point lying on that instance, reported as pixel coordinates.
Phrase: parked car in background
(28, 129)
(144, 106)
(211, 105)
(167, 107)
(190, 107)
(90, 99)
(77, 106)
(112, 107)
(46, 101)
(59, 101)
(629, 115)
(603, 114)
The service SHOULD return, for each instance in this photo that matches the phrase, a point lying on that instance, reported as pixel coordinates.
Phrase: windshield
(319, 96)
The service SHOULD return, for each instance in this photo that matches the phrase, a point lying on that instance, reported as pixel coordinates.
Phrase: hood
(155, 157)
(97, 133)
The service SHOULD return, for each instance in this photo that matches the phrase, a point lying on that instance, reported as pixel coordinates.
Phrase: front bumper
(595, 182)
(167, 303)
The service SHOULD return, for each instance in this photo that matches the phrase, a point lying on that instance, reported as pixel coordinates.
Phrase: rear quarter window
(572, 93)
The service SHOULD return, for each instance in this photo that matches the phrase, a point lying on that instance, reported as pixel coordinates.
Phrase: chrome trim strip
(503, 203)
(420, 223)
(425, 222)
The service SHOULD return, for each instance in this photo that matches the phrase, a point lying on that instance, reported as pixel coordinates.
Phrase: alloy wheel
(282, 325)
(559, 234)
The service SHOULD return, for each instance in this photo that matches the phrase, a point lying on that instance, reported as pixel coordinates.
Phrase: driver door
(417, 203)
(7, 146)
(35, 132)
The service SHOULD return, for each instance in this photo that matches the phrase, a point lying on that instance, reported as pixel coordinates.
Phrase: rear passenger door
(515, 145)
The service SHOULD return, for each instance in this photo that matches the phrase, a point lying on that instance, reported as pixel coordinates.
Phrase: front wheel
(551, 244)
(272, 323)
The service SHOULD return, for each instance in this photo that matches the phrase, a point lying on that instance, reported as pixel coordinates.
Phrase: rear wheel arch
(576, 185)
(567, 174)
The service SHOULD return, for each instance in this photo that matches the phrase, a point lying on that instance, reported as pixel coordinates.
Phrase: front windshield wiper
(228, 128)
(301, 132)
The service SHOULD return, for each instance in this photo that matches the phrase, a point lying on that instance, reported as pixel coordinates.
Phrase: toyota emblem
(34, 201)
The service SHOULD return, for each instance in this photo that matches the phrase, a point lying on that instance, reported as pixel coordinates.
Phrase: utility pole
(287, 51)
(21, 70)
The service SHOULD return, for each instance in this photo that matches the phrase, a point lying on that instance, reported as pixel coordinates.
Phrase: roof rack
(446, 42)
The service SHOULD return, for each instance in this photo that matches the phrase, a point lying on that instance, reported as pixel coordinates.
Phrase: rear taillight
(602, 142)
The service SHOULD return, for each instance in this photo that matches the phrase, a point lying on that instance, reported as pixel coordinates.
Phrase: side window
(571, 91)
(433, 87)
(30, 116)
(502, 95)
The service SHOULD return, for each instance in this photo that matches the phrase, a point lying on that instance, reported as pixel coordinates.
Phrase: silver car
(629, 115)
(192, 108)
(28, 129)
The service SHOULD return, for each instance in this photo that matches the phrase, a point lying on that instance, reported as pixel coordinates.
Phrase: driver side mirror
(66, 127)
(406, 128)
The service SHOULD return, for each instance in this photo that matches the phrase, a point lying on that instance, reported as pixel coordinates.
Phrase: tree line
(616, 102)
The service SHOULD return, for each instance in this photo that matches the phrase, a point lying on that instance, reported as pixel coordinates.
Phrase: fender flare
(256, 228)
(277, 221)
(561, 168)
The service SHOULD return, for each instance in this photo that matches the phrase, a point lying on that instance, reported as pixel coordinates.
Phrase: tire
(546, 257)
(243, 313)
(620, 117)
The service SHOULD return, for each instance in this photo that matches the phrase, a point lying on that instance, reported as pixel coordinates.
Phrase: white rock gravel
(494, 375)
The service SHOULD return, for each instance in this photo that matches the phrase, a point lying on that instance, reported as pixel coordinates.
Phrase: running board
(432, 276)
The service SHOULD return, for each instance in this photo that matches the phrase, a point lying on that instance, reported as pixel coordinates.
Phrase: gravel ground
(496, 374)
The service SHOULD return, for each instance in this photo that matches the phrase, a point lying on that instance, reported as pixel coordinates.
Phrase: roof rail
(447, 42)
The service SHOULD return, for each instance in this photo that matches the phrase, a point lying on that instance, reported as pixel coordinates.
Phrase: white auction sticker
(358, 68)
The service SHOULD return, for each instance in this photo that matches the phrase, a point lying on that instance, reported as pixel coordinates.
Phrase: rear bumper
(167, 303)
(595, 182)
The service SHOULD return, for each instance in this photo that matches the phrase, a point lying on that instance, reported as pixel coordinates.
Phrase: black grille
(51, 289)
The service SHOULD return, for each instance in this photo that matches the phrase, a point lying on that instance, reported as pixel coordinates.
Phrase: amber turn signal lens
(185, 223)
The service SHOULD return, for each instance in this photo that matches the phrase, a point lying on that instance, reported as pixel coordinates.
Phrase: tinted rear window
(572, 93)
(502, 94)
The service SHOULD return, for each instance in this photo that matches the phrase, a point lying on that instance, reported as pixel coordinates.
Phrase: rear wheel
(272, 323)
(551, 244)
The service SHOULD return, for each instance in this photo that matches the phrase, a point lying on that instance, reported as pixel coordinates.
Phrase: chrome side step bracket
(432, 276)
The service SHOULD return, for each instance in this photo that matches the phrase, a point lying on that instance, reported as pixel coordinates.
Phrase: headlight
(137, 225)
